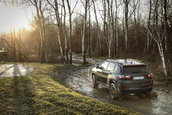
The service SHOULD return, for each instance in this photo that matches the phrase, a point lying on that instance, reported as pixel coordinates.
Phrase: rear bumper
(139, 87)
(136, 90)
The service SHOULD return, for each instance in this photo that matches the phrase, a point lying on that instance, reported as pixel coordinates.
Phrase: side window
(117, 69)
(104, 65)
(111, 67)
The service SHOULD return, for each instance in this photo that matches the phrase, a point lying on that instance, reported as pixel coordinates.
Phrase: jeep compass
(123, 76)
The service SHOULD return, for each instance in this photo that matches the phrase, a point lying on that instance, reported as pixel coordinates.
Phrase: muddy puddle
(159, 103)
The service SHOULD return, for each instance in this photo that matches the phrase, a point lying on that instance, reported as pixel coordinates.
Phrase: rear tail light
(126, 88)
(124, 77)
(149, 75)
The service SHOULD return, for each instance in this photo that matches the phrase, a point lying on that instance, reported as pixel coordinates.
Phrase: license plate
(138, 78)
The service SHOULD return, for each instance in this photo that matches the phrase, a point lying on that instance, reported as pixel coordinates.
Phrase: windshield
(135, 69)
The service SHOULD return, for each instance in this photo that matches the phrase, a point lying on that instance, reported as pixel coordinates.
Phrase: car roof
(126, 62)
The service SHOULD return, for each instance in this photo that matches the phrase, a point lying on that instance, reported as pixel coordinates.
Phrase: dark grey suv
(123, 76)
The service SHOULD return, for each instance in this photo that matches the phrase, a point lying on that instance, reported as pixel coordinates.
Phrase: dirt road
(161, 104)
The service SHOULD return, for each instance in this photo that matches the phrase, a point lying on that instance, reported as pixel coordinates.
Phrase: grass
(41, 93)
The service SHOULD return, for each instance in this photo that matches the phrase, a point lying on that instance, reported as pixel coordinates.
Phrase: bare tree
(59, 22)
(136, 9)
(98, 46)
(65, 33)
(117, 5)
(19, 46)
(13, 39)
(86, 3)
(38, 4)
(148, 24)
(126, 11)
(70, 30)
(110, 28)
(90, 33)
(158, 30)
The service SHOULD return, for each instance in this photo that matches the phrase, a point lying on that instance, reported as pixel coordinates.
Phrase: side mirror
(98, 66)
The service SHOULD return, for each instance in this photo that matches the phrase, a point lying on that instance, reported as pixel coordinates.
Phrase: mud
(158, 103)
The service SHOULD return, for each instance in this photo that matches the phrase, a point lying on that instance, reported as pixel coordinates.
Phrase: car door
(110, 69)
(117, 70)
(101, 71)
(106, 72)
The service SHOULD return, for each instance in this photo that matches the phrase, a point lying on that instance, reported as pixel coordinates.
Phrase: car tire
(113, 91)
(94, 81)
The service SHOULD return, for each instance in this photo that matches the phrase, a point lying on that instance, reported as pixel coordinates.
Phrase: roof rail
(127, 61)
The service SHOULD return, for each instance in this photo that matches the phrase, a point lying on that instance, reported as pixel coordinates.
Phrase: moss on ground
(40, 93)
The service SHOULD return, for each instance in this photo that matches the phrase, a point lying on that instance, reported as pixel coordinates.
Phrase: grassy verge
(40, 93)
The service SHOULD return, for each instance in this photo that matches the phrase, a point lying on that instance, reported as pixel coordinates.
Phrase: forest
(139, 29)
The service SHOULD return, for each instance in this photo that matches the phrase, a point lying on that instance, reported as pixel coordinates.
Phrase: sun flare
(13, 18)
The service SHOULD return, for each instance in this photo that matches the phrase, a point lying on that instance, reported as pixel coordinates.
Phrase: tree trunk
(90, 35)
(161, 52)
(19, 46)
(98, 46)
(105, 40)
(70, 31)
(149, 20)
(115, 28)
(126, 3)
(165, 22)
(40, 25)
(83, 32)
(65, 32)
(14, 44)
(110, 28)
(44, 54)
(58, 29)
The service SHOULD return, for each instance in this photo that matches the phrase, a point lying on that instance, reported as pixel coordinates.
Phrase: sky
(13, 17)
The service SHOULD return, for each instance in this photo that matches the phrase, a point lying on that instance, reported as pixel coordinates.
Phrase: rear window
(134, 69)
